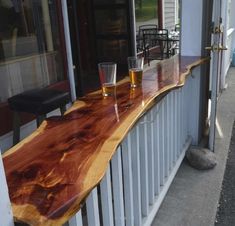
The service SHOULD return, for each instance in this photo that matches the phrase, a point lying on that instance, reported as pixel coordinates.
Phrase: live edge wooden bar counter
(50, 173)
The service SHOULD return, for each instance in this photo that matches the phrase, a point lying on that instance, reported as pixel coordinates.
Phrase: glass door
(32, 51)
(100, 32)
(112, 30)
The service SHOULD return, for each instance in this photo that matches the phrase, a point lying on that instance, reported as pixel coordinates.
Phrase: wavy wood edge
(190, 67)
(93, 177)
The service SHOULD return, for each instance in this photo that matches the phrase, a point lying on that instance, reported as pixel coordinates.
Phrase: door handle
(215, 47)
(222, 48)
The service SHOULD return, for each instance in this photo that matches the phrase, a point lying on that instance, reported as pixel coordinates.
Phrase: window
(100, 32)
(146, 12)
(30, 46)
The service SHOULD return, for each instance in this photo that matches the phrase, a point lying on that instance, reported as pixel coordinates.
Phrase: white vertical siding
(169, 14)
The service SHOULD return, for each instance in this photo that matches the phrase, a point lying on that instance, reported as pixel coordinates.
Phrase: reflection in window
(29, 46)
(146, 12)
(146, 18)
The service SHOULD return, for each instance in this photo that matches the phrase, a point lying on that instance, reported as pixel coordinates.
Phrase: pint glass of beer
(135, 66)
(107, 73)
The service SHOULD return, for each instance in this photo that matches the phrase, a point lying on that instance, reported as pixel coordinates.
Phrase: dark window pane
(111, 22)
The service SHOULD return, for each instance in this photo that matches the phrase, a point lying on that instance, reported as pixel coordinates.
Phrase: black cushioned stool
(38, 102)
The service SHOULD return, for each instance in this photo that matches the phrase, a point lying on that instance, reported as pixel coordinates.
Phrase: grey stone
(201, 158)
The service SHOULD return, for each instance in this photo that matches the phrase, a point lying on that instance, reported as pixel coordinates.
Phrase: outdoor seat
(144, 29)
(38, 102)
(159, 48)
(148, 39)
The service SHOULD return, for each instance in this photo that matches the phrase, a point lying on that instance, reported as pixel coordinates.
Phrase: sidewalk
(193, 197)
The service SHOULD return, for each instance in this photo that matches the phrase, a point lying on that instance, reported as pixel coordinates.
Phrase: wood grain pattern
(50, 173)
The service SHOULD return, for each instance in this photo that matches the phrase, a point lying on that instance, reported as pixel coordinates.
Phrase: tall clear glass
(107, 73)
(135, 66)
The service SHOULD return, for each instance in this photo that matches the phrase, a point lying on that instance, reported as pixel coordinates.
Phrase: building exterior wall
(169, 14)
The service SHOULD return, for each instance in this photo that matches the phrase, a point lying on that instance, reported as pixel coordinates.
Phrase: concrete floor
(193, 197)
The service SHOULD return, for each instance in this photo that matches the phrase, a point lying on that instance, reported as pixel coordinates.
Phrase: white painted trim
(230, 31)
(215, 72)
(194, 106)
(163, 13)
(165, 188)
(227, 68)
(191, 27)
(68, 50)
(224, 17)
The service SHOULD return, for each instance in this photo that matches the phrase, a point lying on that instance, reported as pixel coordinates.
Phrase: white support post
(191, 27)
(193, 105)
(191, 45)
(106, 199)
(93, 209)
(135, 154)
(127, 178)
(68, 50)
(6, 218)
(116, 164)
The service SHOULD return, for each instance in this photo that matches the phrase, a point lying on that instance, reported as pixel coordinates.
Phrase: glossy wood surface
(50, 173)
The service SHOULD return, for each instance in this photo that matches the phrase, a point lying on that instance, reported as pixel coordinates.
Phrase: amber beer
(136, 75)
(135, 66)
(108, 89)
